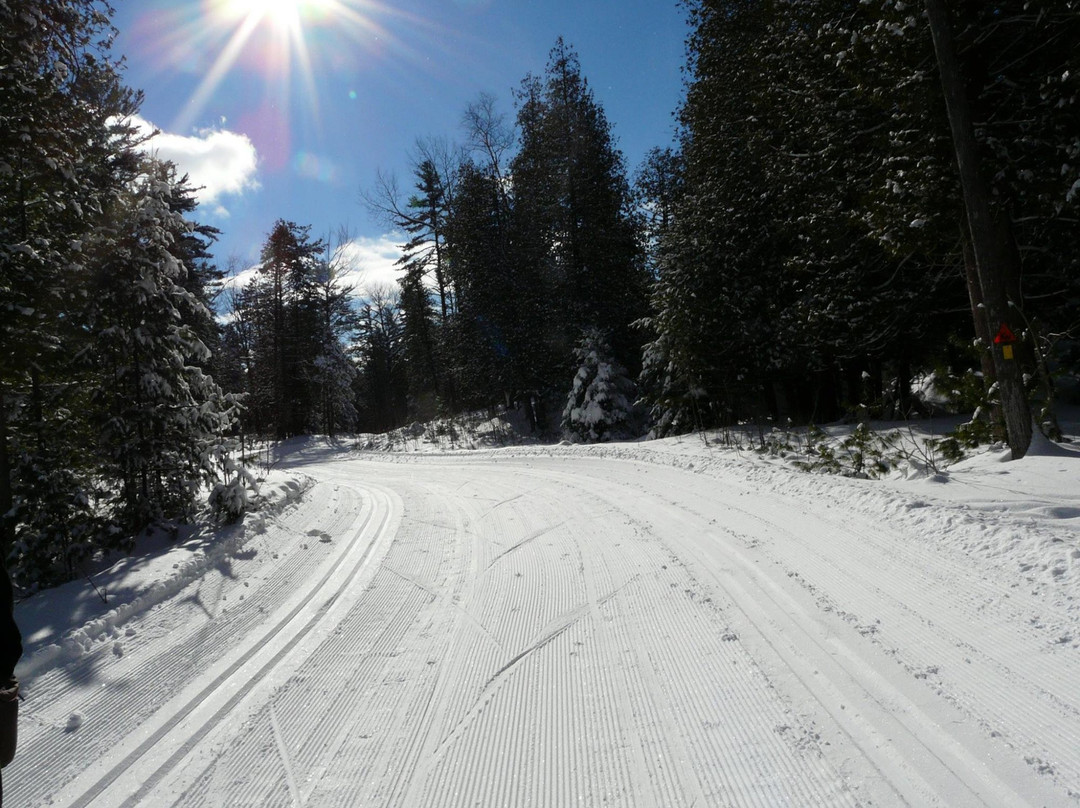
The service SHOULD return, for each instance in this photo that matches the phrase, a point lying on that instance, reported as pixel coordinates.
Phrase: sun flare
(285, 15)
(293, 45)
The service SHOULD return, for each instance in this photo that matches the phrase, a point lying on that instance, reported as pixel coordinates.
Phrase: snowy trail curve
(503, 630)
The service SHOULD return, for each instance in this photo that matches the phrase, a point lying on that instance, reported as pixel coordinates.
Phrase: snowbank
(65, 622)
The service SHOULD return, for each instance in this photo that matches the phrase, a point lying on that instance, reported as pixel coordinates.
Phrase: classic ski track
(59, 682)
(507, 744)
(46, 752)
(1032, 699)
(551, 640)
(297, 634)
(204, 651)
(403, 599)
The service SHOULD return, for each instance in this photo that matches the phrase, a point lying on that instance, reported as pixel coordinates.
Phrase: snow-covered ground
(652, 624)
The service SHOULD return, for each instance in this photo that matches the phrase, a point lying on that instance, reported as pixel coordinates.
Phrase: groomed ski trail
(565, 630)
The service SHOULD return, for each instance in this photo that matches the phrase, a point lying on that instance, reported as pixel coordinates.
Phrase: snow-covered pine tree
(62, 161)
(160, 421)
(600, 406)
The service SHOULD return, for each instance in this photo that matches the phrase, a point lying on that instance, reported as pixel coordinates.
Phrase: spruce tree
(64, 159)
(159, 419)
(600, 406)
(574, 231)
(284, 319)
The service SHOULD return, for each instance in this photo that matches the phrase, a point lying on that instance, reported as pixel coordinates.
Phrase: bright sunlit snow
(646, 624)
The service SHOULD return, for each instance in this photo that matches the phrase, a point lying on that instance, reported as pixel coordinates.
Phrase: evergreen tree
(490, 329)
(285, 336)
(774, 295)
(418, 336)
(381, 384)
(203, 279)
(160, 420)
(600, 406)
(1017, 69)
(720, 286)
(656, 191)
(574, 232)
(64, 157)
(424, 257)
(334, 371)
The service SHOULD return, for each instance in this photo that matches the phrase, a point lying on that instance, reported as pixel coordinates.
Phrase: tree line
(818, 246)
(110, 417)
(807, 248)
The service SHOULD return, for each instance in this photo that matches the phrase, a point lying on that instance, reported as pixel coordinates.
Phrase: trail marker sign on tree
(1005, 338)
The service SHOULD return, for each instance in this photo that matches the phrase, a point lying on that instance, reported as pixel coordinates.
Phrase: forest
(871, 211)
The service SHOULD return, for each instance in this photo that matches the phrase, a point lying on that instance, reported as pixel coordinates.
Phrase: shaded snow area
(640, 624)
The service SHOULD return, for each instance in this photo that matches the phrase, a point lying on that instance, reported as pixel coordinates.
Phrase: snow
(660, 623)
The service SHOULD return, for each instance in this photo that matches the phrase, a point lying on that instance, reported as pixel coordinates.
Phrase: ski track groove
(283, 751)
(952, 766)
(550, 634)
(1029, 696)
(397, 602)
(937, 653)
(556, 614)
(364, 520)
(111, 711)
(342, 756)
(310, 623)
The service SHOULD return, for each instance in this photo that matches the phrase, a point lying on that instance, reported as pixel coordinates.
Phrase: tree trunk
(6, 495)
(983, 333)
(989, 237)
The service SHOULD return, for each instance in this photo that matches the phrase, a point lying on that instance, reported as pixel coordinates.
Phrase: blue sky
(288, 108)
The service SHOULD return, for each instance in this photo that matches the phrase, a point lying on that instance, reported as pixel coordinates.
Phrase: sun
(291, 44)
(286, 16)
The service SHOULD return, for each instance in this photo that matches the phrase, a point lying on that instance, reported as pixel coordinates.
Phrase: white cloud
(367, 262)
(218, 162)
(363, 263)
(241, 278)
